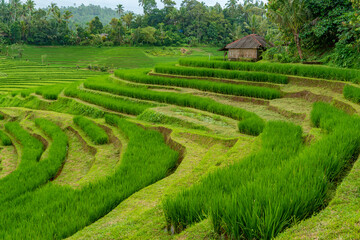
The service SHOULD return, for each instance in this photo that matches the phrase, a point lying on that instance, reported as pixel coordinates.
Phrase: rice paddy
(200, 149)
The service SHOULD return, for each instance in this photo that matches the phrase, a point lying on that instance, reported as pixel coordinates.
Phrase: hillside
(176, 147)
(84, 14)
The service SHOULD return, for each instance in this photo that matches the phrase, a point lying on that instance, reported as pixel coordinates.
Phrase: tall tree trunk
(297, 41)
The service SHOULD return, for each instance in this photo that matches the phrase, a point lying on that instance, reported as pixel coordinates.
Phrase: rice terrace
(232, 121)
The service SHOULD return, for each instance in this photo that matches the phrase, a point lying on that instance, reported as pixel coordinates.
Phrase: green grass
(21, 180)
(24, 75)
(96, 133)
(184, 100)
(113, 103)
(352, 93)
(193, 205)
(140, 76)
(4, 139)
(114, 57)
(339, 220)
(121, 197)
(219, 73)
(273, 189)
(62, 105)
(32, 148)
(50, 92)
(55, 212)
(288, 69)
(160, 118)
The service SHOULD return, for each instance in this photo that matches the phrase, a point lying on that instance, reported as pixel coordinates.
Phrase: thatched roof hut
(249, 47)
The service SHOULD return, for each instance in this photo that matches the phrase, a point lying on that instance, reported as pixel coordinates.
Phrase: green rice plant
(215, 73)
(50, 92)
(352, 93)
(4, 139)
(32, 174)
(312, 71)
(25, 93)
(251, 126)
(96, 133)
(32, 148)
(160, 118)
(2, 117)
(140, 76)
(184, 100)
(62, 105)
(57, 212)
(110, 102)
(280, 141)
(260, 196)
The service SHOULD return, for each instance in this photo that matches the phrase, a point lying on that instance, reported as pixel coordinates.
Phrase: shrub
(96, 133)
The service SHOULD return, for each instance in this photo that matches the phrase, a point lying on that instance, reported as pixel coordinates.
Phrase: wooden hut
(249, 47)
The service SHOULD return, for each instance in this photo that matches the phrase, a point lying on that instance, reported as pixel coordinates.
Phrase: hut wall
(235, 54)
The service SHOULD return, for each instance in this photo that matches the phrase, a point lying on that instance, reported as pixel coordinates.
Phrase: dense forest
(301, 29)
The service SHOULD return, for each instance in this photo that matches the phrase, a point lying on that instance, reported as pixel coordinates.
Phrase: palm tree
(30, 5)
(67, 15)
(128, 18)
(291, 16)
(120, 9)
(253, 24)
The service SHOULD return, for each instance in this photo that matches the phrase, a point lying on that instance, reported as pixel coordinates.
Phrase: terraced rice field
(194, 150)
(17, 75)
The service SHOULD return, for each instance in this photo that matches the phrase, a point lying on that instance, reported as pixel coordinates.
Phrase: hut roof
(250, 41)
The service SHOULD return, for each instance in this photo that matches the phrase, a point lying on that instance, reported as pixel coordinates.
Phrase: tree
(30, 5)
(148, 5)
(290, 16)
(117, 31)
(253, 25)
(96, 26)
(128, 18)
(169, 5)
(120, 9)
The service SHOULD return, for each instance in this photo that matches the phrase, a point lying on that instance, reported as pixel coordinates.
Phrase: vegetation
(22, 22)
(205, 72)
(21, 75)
(121, 105)
(287, 69)
(146, 160)
(259, 201)
(140, 76)
(160, 118)
(33, 175)
(4, 139)
(96, 133)
(352, 93)
(184, 100)
(50, 92)
(32, 148)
